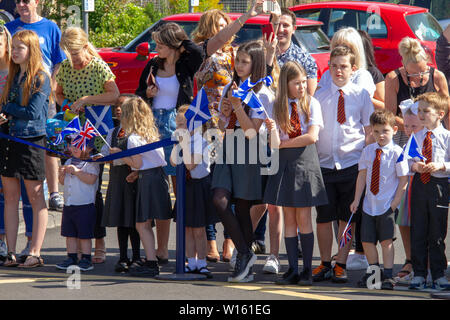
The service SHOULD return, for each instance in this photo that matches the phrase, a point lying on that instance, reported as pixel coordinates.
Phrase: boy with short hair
(346, 109)
(429, 194)
(385, 181)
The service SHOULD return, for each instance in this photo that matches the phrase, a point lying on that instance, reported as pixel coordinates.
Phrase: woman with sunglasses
(412, 79)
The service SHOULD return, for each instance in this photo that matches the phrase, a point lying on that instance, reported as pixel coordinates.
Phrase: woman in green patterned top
(84, 79)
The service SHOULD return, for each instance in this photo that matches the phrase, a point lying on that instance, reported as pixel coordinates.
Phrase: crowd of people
(338, 144)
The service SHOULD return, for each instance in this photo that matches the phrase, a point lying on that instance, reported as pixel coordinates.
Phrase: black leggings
(239, 225)
(122, 236)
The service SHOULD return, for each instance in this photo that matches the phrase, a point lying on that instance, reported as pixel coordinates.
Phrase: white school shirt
(266, 97)
(200, 146)
(440, 139)
(314, 119)
(360, 77)
(105, 149)
(390, 170)
(167, 93)
(150, 159)
(340, 145)
(76, 192)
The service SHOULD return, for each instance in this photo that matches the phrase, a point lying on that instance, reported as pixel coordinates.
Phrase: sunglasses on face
(23, 1)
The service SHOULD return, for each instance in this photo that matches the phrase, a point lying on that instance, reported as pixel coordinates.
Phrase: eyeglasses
(24, 1)
(415, 75)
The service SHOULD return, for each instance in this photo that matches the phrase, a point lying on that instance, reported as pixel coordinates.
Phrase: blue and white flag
(411, 150)
(198, 112)
(101, 118)
(71, 128)
(246, 94)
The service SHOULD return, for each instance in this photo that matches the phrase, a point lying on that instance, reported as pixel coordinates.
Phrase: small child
(412, 125)
(385, 182)
(120, 199)
(429, 194)
(199, 207)
(80, 181)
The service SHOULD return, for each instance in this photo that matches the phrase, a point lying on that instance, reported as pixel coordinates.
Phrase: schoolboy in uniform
(346, 109)
(429, 194)
(385, 181)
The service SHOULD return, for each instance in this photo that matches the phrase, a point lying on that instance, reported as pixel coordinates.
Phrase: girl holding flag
(25, 103)
(298, 184)
(241, 183)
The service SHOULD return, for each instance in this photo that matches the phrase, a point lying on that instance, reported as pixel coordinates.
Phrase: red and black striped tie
(375, 181)
(427, 151)
(295, 122)
(341, 108)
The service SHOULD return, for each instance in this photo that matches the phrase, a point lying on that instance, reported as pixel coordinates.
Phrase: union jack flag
(87, 133)
(347, 234)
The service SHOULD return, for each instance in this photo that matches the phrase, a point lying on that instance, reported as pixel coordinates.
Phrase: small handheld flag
(198, 112)
(246, 94)
(347, 234)
(101, 118)
(411, 150)
(71, 128)
(87, 133)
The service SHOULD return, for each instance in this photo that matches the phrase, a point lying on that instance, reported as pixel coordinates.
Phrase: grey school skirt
(152, 198)
(298, 182)
(240, 172)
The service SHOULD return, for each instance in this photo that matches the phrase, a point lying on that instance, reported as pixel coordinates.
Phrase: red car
(128, 62)
(386, 23)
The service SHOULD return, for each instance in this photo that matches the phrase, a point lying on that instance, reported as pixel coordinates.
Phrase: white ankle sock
(192, 263)
(201, 263)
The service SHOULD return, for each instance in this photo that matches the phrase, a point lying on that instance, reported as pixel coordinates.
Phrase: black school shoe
(292, 278)
(122, 266)
(148, 269)
(305, 278)
(242, 268)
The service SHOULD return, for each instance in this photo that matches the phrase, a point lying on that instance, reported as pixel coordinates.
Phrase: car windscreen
(313, 39)
(424, 26)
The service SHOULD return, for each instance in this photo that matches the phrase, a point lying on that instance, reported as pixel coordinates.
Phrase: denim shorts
(165, 121)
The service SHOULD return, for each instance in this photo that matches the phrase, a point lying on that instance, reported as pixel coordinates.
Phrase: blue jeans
(165, 121)
(26, 209)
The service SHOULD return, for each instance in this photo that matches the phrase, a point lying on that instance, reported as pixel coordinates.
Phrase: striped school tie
(341, 108)
(232, 121)
(375, 180)
(295, 122)
(427, 151)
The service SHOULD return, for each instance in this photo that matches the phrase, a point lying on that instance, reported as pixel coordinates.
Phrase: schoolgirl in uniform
(235, 178)
(298, 184)
(199, 207)
(120, 199)
(152, 198)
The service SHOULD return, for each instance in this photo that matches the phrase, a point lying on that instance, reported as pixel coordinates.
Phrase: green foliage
(116, 22)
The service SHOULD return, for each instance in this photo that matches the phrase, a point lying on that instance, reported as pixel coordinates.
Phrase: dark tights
(238, 225)
(122, 236)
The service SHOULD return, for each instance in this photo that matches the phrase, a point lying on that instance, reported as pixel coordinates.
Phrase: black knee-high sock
(307, 243)
(135, 244)
(122, 236)
(292, 252)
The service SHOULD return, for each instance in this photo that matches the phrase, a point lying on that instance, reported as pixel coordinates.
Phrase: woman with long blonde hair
(152, 199)
(24, 104)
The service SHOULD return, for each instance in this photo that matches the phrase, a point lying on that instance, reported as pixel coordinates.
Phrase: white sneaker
(272, 265)
(357, 262)
(3, 249)
(233, 259)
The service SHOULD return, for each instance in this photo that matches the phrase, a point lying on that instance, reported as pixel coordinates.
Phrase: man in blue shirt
(49, 38)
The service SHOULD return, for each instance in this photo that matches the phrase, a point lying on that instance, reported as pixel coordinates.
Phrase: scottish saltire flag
(87, 133)
(198, 112)
(73, 127)
(411, 150)
(347, 234)
(246, 94)
(100, 117)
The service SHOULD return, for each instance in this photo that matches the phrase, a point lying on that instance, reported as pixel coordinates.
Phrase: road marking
(302, 295)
